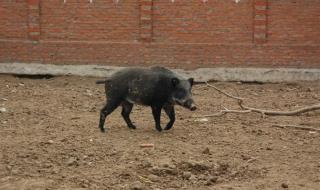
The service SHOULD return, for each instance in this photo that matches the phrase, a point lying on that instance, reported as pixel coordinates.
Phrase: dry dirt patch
(49, 139)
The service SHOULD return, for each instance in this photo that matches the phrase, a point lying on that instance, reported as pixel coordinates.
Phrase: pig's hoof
(167, 128)
(159, 129)
(102, 130)
(132, 127)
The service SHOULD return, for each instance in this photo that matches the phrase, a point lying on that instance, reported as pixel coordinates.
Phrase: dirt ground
(49, 139)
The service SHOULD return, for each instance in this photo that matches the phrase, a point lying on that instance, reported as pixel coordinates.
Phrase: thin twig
(296, 127)
(229, 95)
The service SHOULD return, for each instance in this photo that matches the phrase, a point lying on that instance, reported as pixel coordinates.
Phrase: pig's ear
(175, 82)
(191, 81)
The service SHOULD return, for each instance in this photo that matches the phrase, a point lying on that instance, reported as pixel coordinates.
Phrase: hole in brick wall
(44, 76)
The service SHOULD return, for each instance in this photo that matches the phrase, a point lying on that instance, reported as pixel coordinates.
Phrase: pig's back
(142, 86)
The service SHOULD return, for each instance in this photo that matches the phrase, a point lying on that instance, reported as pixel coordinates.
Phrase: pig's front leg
(169, 109)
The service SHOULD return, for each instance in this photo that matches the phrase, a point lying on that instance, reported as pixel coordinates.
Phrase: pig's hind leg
(169, 109)
(126, 110)
(156, 112)
(106, 110)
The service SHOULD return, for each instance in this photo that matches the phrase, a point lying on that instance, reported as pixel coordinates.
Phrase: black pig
(157, 87)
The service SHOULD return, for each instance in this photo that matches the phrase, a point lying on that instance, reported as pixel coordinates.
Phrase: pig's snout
(193, 107)
(190, 104)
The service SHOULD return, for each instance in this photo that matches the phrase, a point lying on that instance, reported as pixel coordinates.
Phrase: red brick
(146, 2)
(33, 2)
(261, 12)
(260, 40)
(260, 22)
(33, 29)
(33, 19)
(146, 21)
(260, 30)
(260, 3)
(184, 34)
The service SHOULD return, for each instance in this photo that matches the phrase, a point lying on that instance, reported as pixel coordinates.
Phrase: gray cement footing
(201, 74)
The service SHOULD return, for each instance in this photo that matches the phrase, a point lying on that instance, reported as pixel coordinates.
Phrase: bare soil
(49, 139)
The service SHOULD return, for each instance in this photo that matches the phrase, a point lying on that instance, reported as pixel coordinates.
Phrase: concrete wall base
(201, 74)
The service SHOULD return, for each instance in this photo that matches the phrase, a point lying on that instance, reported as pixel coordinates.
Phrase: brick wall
(13, 20)
(183, 33)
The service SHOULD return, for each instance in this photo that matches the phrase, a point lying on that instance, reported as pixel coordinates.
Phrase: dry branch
(283, 113)
(263, 112)
(297, 127)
